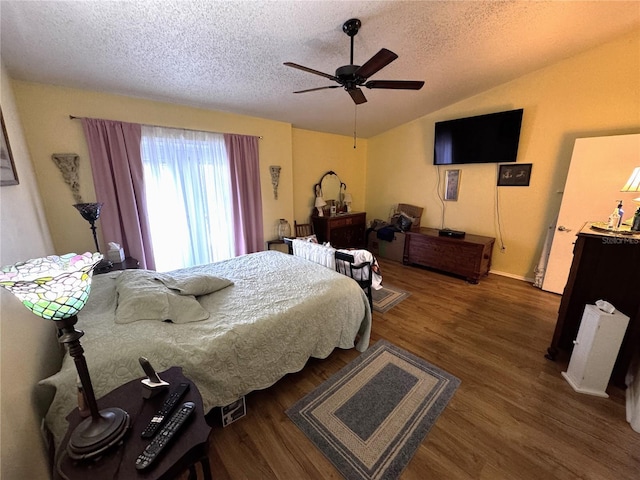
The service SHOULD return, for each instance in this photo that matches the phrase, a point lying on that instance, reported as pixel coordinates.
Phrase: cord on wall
(503, 247)
(440, 196)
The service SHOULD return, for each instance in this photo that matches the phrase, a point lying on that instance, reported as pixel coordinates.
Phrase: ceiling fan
(351, 76)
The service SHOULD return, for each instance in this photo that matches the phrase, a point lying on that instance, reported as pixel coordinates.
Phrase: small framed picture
(514, 175)
(451, 185)
(8, 175)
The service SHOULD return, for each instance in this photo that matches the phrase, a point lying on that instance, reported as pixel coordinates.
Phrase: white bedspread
(280, 311)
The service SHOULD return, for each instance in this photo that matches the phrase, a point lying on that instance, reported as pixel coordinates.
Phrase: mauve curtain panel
(244, 163)
(114, 150)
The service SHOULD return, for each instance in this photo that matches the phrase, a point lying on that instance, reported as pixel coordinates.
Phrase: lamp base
(92, 436)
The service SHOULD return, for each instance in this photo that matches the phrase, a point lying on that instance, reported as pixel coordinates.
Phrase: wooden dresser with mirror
(343, 230)
(338, 226)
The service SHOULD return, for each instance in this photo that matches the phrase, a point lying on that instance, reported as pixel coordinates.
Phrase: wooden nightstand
(189, 447)
(129, 263)
(274, 242)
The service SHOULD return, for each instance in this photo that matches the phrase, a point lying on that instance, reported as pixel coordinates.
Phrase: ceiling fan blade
(380, 60)
(395, 84)
(318, 88)
(357, 95)
(310, 70)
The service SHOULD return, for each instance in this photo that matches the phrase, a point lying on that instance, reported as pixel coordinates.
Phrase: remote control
(166, 408)
(151, 451)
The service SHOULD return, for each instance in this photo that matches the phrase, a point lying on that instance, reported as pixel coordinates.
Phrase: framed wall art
(8, 175)
(451, 185)
(514, 175)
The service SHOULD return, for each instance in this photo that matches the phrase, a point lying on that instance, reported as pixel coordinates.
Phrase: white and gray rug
(387, 297)
(370, 417)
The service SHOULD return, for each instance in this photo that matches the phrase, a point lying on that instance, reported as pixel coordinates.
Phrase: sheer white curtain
(189, 200)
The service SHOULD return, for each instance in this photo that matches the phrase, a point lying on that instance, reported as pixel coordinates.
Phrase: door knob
(563, 229)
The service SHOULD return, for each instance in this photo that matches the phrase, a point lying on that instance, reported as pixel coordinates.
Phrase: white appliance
(595, 351)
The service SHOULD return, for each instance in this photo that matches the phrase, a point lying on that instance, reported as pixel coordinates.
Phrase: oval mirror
(330, 187)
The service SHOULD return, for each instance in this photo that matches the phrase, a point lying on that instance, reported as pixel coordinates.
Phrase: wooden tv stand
(469, 257)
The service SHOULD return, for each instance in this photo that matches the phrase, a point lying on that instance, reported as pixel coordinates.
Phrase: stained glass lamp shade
(57, 288)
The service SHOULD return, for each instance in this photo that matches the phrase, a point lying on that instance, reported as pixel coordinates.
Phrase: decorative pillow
(142, 297)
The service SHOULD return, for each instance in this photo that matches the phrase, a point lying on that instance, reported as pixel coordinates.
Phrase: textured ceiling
(229, 55)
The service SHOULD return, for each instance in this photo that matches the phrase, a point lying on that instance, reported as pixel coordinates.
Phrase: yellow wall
(45, 111)
(592, 94)
(316, 153)
(28, 348)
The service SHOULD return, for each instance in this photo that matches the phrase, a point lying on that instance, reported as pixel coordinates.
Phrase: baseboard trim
(511, 275)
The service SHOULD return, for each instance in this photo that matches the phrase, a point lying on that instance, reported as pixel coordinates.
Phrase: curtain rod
(73, 117)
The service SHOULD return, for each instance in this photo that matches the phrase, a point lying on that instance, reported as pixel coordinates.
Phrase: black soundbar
(446, 232)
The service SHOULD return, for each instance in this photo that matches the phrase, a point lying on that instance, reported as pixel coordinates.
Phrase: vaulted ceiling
(229, 55)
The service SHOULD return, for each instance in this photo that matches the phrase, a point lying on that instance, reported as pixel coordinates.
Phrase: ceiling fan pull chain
(355, 123)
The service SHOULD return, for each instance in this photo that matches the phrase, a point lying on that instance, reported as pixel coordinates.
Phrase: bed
(279, 311)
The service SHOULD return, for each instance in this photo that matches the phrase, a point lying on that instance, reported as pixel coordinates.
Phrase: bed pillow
(193, 284)
(143, 297)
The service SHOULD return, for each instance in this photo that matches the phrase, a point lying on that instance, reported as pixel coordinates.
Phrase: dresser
(343, 230)
(604, 267)
(469, 257)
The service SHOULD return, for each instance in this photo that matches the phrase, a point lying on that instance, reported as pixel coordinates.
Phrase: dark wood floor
(513, 417)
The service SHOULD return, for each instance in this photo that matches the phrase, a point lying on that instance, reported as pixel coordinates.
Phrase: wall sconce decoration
(275, 178)
(68, 163)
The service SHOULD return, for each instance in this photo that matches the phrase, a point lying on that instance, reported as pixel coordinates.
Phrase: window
(188, 188)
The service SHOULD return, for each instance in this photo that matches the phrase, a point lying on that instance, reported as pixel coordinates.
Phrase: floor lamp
(91, 212)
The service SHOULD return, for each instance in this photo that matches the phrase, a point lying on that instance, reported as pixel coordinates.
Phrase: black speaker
(446, 232)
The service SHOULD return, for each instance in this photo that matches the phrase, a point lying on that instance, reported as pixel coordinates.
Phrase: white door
(599, 168)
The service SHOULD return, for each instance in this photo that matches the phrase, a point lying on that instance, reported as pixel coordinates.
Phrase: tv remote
(151, 451)
(166, 408)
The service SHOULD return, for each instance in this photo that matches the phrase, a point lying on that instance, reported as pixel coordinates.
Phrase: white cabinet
(595, 351)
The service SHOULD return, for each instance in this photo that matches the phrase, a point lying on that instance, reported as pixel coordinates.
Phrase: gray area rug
(387, 297)
(370, 417)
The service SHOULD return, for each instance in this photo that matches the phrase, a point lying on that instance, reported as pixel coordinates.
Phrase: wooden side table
(127, 263)
(277, 241)
(189, 447)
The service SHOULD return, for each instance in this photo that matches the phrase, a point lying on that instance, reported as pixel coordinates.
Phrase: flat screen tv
(491, 138)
